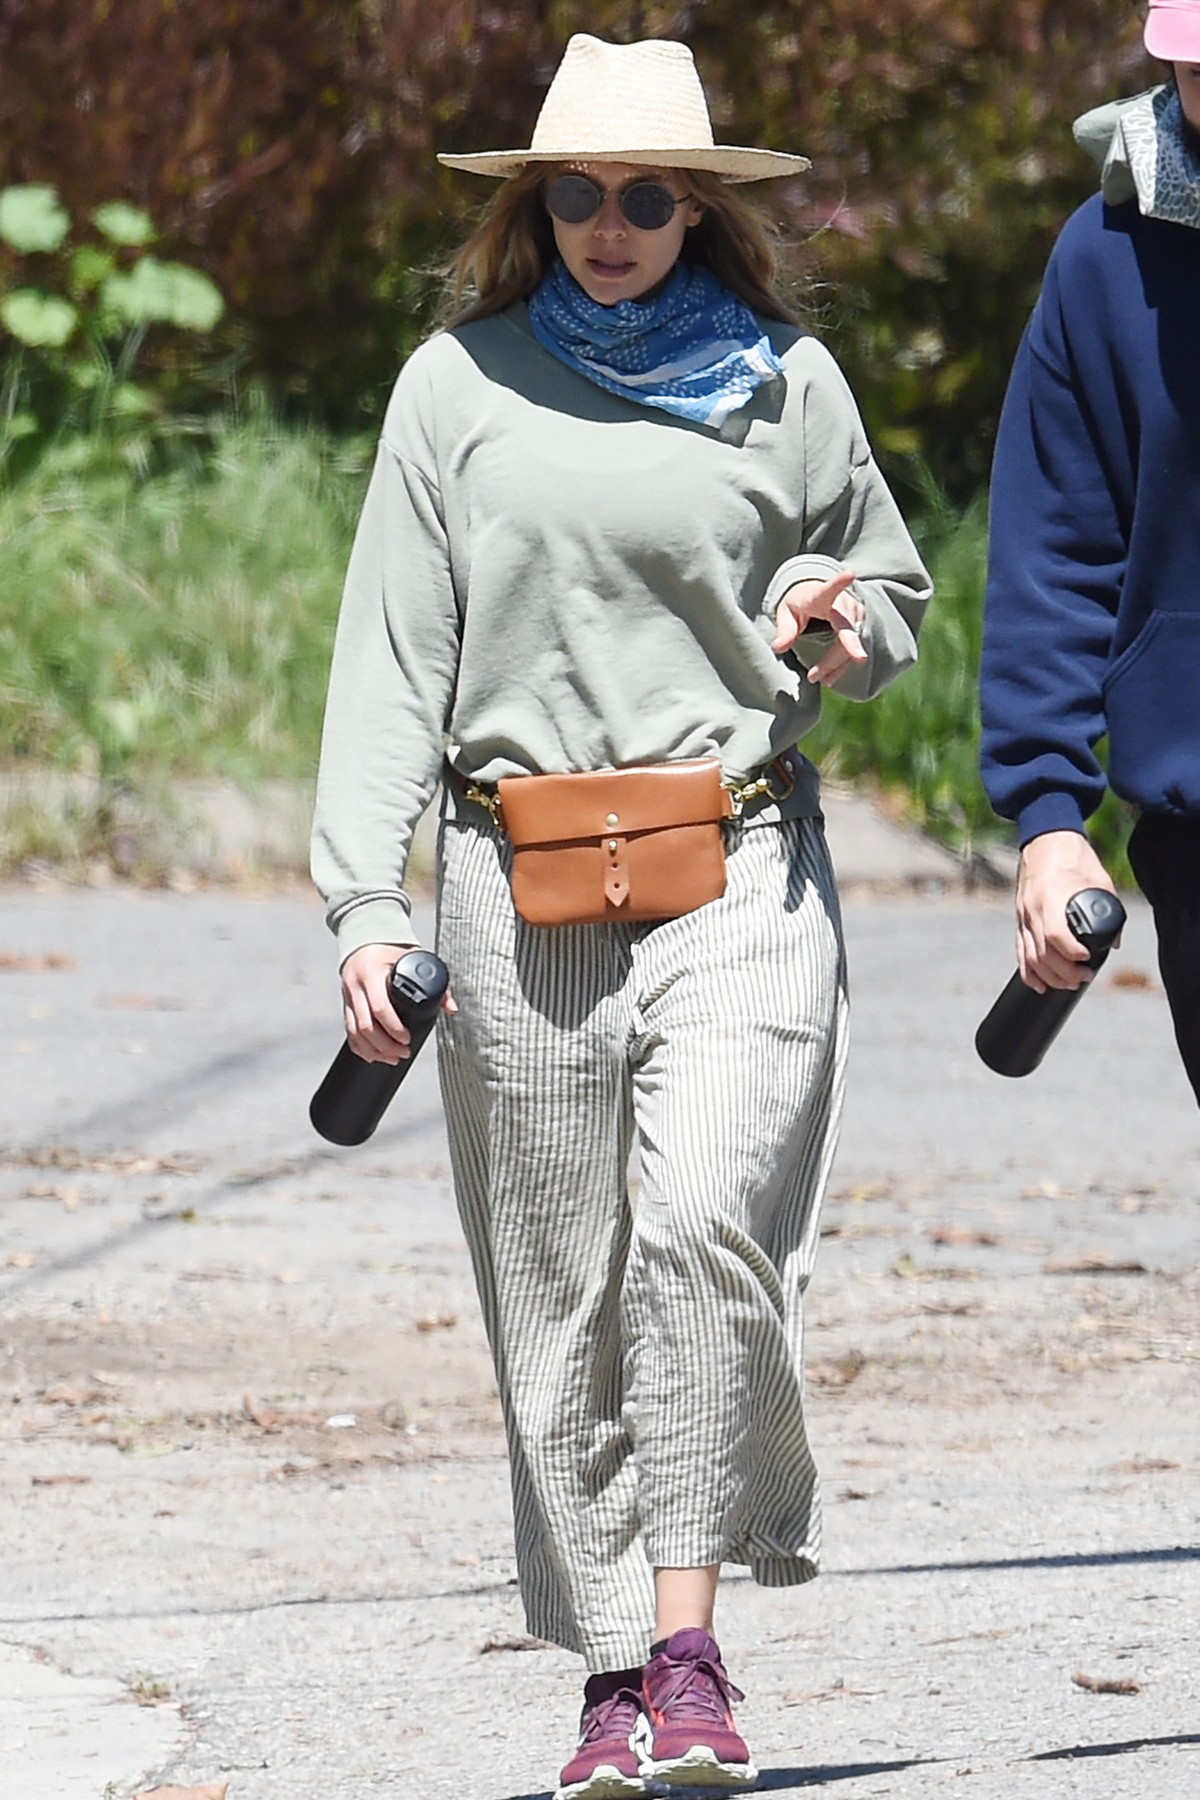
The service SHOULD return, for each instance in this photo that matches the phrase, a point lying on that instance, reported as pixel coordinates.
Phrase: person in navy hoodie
(1092, 619)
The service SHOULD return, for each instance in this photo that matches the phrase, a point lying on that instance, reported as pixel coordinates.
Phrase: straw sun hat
(629, 103)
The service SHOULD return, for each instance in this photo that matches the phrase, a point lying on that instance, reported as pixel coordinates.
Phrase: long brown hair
(512, 245)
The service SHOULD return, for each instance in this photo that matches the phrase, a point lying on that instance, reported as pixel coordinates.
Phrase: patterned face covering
(1149, 153)
(693, 349)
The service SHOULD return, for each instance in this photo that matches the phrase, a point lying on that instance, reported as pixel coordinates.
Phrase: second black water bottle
(1023, 1024)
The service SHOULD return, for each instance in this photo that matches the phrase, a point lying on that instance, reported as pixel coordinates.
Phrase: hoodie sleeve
(1056, 561)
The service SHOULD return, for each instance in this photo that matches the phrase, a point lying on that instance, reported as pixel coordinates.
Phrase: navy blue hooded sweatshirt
(1092, 619)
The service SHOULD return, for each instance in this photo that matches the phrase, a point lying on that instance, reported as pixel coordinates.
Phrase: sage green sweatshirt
(547, 576)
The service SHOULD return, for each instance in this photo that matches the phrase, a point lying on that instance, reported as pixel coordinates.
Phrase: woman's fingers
(373, 1029)
(824, 601)
(848, 649)
(1043, 964)
(805, 601)
(1053, 867)
(848, 619)
(828, 602)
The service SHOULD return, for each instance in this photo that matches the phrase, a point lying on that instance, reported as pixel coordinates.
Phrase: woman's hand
(1053, 867)
(830, 602)
(373, 1028)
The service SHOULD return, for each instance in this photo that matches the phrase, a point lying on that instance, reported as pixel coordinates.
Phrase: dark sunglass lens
(573, 199)
(648, 205)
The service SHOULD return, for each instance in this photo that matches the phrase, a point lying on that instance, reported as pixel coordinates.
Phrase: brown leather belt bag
(616, 844)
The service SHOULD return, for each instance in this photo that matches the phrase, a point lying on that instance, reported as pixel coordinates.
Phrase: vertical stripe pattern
(647, 1339)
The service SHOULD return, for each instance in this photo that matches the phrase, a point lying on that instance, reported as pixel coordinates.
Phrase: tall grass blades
(919, 742)
(181, 625)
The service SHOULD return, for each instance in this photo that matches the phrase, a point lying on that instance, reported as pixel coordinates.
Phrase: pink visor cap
(1173, 30)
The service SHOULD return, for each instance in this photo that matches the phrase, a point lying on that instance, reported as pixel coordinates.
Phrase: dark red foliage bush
(286, 146)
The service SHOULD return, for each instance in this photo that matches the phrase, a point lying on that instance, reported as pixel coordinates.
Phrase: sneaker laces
(613, 1717)
(704, 1684)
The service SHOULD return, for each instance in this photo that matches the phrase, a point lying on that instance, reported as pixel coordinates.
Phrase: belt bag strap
(616, 844)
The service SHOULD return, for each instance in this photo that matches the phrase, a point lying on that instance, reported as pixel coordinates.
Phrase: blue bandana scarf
(695, 349)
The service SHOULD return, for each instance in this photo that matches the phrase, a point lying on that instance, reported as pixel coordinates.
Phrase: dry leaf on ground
(492, 1645)
(35, 965)
(273, 1419)
(61, 1394)
(1092, 1262)
(1107, 1684)
(142, 1003)
(837, 1372)
(962, 1234)
(213, 1790)
(1131, 978)
(49, 1190)
(62, 1156)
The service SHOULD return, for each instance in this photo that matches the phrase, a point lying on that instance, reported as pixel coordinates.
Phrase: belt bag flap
(640, 843)
(596, 804)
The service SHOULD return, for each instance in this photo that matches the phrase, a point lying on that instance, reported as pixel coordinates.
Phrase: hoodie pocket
(1152, 710)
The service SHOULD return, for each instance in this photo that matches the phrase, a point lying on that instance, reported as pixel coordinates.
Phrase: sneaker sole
(607, 1783)
(701, 1767)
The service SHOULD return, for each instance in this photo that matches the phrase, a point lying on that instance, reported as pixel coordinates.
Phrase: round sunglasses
(646, 205)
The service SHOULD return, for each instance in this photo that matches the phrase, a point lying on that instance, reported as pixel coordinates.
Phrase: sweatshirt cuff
(1049, 812)
(380, 920)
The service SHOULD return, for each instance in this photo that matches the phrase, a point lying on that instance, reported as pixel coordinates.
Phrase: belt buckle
(761, 788)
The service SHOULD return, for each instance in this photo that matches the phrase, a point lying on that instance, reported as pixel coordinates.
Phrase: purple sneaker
(605, 1766)
(686, 1735)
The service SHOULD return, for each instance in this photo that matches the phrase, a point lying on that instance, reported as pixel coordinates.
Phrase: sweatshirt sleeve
(1056, 561)
(851, 521)
(391, 687)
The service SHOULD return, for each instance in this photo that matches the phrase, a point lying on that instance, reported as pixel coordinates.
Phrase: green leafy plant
(77, 306)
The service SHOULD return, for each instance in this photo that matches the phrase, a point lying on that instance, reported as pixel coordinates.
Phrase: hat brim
(1173, 35)
(729, 161)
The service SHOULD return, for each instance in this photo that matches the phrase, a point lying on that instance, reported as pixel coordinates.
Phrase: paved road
(254, 1513)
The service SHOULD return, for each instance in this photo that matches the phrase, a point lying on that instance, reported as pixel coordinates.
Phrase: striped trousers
(647, 1335)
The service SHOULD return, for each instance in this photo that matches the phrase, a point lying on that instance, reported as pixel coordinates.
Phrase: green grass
(918, 742)
(180, 623)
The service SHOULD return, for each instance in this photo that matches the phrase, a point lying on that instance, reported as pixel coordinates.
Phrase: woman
(1092, 623)
(611, 528)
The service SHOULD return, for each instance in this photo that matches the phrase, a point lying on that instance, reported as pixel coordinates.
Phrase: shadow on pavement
(1064, 1561)
(779, 1781)
(1185, 1740)
(1081, 1559)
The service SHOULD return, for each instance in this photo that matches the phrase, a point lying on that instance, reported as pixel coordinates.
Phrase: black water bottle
(1023, 1024)
(355, 1094)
